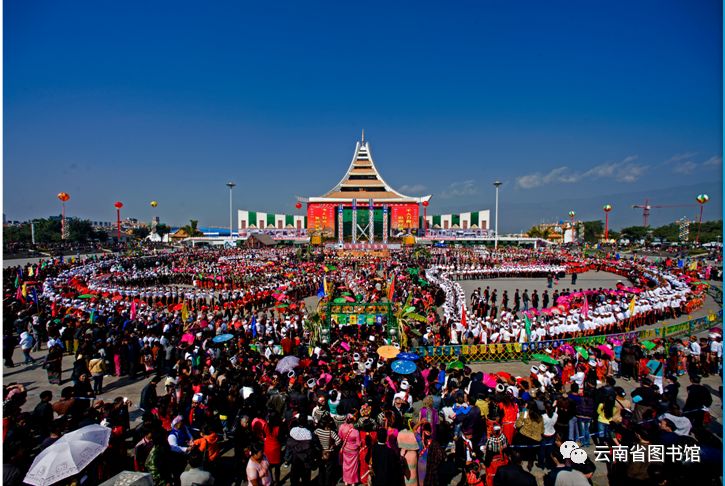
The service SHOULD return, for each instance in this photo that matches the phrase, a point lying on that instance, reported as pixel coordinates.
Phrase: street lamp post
(230, 185)
(118, 205)
(496, 184)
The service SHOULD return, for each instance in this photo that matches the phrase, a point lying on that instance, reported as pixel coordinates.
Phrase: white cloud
(681, 157)
(412, 189)
(686, 167)
(713, 161)
(459, 189)
(684, 163)
(624, 171)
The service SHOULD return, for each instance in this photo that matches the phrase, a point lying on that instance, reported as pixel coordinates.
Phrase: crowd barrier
(482, 353)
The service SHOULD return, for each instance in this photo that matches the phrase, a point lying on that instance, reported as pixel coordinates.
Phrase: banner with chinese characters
(403, 216)
(321, 217)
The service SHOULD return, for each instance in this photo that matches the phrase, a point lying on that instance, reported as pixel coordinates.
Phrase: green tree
(17, 234)
(162, 229)
(47, 230)
(191, 229)
(710, 231)
(539, 232)
(141, 232)
(593, 231)
(669, 232)
(80, 230)
(634, 233)
(407, 319)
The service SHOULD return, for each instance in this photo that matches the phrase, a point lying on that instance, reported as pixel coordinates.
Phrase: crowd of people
(239, 382)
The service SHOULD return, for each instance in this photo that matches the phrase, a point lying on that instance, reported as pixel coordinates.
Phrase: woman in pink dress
(350, 451)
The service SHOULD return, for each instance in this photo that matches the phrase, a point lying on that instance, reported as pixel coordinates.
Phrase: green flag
(527, 322)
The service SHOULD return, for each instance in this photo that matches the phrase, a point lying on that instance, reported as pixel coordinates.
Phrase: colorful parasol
(606, 350)
(567, 348)
(489, 380)
(582, 351)
(503, 375)
(222, 338)
(455, 365)
(648, 345)
(403, 367)
(544, 358)
(388, 352)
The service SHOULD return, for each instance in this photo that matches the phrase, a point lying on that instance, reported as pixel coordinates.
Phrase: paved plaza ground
(34, 378)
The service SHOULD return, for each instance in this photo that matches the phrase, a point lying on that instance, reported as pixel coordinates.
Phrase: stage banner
(321, 216)
(403, 216)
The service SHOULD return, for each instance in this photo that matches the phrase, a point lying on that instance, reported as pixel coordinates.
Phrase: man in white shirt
(695, 349)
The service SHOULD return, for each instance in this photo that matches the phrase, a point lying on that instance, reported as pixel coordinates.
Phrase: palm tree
(539, 232)
(406, 318)
(534, 232)
(313, 324)
(191, 228)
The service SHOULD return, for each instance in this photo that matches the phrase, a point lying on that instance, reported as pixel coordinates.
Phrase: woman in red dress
(510, 413)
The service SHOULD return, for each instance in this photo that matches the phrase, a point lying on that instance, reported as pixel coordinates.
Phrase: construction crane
(647, 208)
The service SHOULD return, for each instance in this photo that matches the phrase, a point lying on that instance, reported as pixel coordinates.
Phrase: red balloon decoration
(298, 205)
(63, 196)
(118, 204)
(425, 203)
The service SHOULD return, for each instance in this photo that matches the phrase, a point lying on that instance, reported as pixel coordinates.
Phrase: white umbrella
(69, 455)
(287, 363)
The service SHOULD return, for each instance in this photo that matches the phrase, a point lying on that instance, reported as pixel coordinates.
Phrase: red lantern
(298, 205)
(425, 204)
(63, 196)
(118, 204)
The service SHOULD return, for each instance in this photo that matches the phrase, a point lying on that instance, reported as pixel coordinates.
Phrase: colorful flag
(34, 294)
(463, 317)
(391, 289)
(133, 310)
(527, 324)
(585, 308)
(254, 326)
(631, 307)
(17, 281)
(30, 271)
(321, 292)
(24, 291)
(93, 316)
(184, 312)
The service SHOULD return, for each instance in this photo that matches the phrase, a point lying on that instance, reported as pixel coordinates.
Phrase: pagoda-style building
(362, 206)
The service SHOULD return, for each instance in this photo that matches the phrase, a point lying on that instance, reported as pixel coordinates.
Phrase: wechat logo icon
(570, 450)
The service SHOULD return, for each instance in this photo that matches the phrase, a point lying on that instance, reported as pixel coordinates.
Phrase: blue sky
(569, 103)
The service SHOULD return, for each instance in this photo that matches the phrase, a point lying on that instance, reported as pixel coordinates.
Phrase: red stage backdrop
(403, 216)
(321, 216)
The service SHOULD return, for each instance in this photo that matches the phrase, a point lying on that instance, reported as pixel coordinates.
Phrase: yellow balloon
(154, 204)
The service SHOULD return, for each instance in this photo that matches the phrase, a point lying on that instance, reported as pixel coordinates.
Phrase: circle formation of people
(244, 376)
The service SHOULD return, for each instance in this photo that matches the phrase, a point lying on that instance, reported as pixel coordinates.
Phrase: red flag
(53, 310)
(463, 317)
(391, 289)
(133, 310)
